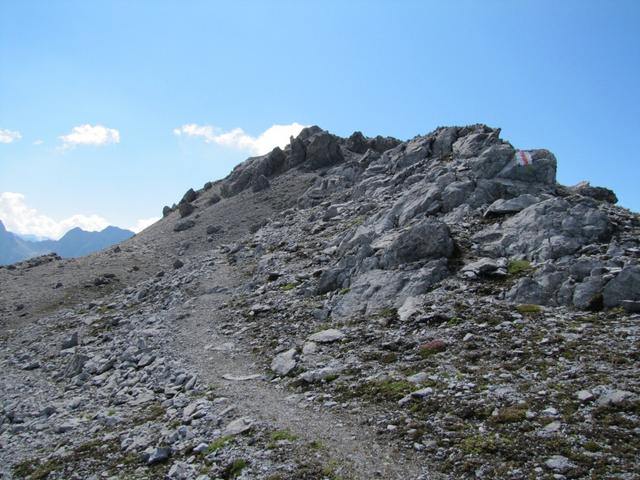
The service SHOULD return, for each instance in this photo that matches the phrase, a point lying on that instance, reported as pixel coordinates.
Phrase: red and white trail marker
(523, 158)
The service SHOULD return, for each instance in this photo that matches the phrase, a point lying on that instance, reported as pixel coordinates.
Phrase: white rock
(552, 427)
(584, 395)
(284, 362)
(238, 426)
(419, 377)
(313, 376)
(240, 378)
(559, 463)
(309, 348)
(614, 397)
(410, 307)
(327, 336)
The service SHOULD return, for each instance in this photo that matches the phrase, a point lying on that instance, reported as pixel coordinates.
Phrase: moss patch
(528, 309)
(516, 267)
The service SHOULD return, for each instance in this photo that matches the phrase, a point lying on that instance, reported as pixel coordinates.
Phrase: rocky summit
(342, 308)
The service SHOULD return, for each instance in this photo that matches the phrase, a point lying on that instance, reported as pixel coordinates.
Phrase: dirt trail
(214, 352)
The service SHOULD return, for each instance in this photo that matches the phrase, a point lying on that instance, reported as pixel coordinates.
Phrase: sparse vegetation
(218, 443)
(528, 308)
(516, 267)
(378, 390)
(235, 468)
(512, 414)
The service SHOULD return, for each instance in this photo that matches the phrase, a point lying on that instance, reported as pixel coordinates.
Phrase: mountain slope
(344, 307)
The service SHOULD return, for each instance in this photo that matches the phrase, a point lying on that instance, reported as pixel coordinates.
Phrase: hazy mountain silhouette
(75, 243)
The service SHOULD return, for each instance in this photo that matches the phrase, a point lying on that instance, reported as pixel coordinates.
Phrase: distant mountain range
(75, 243)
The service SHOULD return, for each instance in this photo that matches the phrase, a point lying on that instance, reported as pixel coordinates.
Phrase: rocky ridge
(443, 296)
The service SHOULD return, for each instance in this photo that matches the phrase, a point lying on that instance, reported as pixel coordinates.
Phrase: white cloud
(90, 135)
(38, 142)
(143, 223)
(274, 136)
(9, 136)
(18, 217)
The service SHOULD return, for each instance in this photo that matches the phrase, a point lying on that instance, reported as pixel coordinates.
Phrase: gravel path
(215, 352)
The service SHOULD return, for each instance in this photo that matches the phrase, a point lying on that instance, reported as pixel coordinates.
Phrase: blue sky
(561, 75)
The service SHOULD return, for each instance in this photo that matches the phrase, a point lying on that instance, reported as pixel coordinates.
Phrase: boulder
(184, 225)
(189, 196)
(474, 144)
(541, 170)
(284, 362)
(513, 205)
(158, 455)
(624, 286)
(546, 230)
(185, 209)
(260, 183)
(322, 150)
(357, 143)
(426, 240)
(326, 336)
(239, 426)
(588, 294)
(376, 289)
(71, 341)
(598, 193)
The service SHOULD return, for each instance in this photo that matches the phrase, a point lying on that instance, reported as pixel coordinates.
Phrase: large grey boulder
(189, 196)
(322, 150)
(588, 293)
(185, 209)
(426, 240)
(184, 225)
(510, 206)
(546, 287)
(442, 144)
(456, 193)
(375, 290)
(475, 143)
(422, 199)
(625, 286)
(546, 230)
(492, 160)
(542, 170)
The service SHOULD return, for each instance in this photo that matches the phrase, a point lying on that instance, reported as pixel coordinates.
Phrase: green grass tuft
(218, 443)
(518, 266)
(526, 308)
(283, 435)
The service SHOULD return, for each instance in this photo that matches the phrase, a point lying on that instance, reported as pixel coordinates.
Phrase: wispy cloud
(9, 136)
(90, 135)
(274, 136)
(18, 217)
(143, 223)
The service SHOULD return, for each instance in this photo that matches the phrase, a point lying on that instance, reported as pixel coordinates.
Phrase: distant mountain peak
(74, 243)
